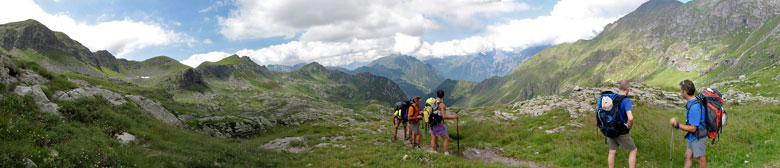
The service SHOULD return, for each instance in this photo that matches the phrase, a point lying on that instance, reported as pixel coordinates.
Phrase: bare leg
(395, 133)
(632, 159)
(702, 162)
(611, 158)
(688, 158)
(433, 142)
(446, 143)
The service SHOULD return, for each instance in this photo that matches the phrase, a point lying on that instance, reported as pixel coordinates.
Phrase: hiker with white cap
(615, 119)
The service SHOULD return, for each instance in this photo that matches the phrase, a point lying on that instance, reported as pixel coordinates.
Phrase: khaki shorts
(624, 141)
(415, 127)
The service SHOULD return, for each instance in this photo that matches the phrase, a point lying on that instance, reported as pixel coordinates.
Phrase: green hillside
(659, 44)
(413, 76)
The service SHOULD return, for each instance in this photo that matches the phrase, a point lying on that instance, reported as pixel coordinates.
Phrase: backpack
(427, 109)
(403, 106)
(434, 115)
(711, 102)
(608, 119)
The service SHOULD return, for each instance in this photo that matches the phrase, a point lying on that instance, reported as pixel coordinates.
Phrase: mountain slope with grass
(659, 44)
(413, 76)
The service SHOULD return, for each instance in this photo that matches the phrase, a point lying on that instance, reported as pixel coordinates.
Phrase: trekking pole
(457, 131)
(671, 147)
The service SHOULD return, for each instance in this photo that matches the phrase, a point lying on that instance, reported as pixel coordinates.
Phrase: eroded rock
(158, 111)
(40, 98)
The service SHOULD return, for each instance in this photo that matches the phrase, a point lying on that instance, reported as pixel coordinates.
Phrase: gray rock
(285, 144)
(758, 85)
(742, 77)
(40, 98)
(77, 93)
(158, 111)
(31, 78)
(125, 137)
(230, 126)
(29, 163)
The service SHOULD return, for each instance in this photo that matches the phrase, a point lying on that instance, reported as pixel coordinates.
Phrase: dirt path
(492, 155)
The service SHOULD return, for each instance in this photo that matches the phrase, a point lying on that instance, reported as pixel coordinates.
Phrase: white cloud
(207, 41)
(119, 37)
(345, 20)
(195, 60)
(396, 27)
(570, 20)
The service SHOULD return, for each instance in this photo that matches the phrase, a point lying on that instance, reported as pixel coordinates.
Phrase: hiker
(437, 126)
(398, 119)
(623, 140)
(414, 121)
(697, 135)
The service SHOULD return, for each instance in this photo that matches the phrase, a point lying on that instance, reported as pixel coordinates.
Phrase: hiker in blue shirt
(624, 140)
(697, 134)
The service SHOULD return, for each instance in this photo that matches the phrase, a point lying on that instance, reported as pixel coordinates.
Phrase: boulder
(29, 163)
(158, 111)
(82, 92)
(40, 98)
(125, 137)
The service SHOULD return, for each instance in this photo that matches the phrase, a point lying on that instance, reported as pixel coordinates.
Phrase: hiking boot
(395, 138)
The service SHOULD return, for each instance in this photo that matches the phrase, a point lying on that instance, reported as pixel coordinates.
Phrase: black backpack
(404, 107)
(435, 117)
(609, 120)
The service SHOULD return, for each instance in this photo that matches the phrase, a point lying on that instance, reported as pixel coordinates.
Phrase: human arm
(630, 116)
(442, 108)
(684, 127)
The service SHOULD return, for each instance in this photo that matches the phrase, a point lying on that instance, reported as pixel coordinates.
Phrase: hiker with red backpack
(705, 117)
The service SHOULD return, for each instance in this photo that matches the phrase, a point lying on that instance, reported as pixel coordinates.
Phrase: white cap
(606, 103)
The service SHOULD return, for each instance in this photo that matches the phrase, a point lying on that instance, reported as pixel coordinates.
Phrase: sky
(331, 32)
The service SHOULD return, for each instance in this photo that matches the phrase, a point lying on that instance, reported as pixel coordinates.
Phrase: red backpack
(714, 116)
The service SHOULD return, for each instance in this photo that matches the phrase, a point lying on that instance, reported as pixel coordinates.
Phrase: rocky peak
(31, 34)
(313, 67)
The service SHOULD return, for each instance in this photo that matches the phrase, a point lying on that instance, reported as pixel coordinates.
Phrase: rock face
(77, 93)
(230, 126)
(158, 111)
(40, 98)
(289, 144)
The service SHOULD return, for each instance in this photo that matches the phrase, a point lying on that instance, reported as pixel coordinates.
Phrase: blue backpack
(609, 120)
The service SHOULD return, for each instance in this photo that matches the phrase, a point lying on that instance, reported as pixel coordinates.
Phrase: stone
(82, 92)
(758, 85)
(125, 138)
(284, 144)
(742, 77)
(405, 157)
(29, 163)
(40, 98)
(153, 107)
(230, 126)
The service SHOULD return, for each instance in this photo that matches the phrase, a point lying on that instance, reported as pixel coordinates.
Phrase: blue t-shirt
(694, 118)
(625, 105)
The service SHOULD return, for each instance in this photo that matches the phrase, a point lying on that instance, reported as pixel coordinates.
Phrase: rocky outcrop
(289, 144)
(82, 92)
(230, 126)
(40, 98)
(155, 109)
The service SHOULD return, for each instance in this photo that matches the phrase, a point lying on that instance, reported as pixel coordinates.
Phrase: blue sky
(330, 32)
